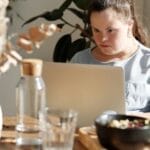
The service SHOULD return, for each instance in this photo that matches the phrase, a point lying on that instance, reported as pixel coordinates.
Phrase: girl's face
(110, 31)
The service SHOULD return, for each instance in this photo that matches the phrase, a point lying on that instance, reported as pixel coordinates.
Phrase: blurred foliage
(65, 47)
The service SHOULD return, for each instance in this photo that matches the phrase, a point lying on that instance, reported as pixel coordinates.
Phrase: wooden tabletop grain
(7, 141)
(8, 134)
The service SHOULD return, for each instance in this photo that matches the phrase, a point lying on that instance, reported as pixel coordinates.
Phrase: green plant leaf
(50, 16)
(65, 5)
(82, 4)
(76, 46)
(79, 13)
(55, 14)
(61, 49)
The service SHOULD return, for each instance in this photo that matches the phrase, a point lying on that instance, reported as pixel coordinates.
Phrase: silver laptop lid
(89, 89)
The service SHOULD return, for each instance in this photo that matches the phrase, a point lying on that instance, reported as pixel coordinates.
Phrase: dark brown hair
(126, 9)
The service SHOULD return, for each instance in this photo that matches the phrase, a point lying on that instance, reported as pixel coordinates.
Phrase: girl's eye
(96, 30)
(110, 30)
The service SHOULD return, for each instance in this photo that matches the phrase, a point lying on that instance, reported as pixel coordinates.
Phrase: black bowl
(118, 138)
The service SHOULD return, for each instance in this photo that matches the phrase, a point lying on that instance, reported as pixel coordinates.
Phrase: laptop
(89, 89)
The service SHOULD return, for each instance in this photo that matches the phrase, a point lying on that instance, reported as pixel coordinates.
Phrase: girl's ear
(130, 24)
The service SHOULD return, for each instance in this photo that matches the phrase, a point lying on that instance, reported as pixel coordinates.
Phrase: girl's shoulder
(145, 50)
(82, 56)
(144, 54)
(83, 52)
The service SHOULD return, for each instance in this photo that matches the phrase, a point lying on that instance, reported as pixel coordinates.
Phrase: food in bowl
(126, 123)
(118, 131)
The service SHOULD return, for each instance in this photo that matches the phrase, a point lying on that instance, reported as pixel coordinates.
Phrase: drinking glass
(59, 130)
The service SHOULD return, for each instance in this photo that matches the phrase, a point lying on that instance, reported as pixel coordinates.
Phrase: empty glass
(59, 129)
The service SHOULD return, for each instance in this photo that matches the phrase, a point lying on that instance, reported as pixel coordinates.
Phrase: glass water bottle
(30, 99)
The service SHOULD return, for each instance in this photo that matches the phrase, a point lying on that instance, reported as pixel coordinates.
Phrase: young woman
(119, 42)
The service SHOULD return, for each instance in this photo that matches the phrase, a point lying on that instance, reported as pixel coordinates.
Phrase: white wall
(143, 11)
(146, 16)
(8, 83)
(139, 9)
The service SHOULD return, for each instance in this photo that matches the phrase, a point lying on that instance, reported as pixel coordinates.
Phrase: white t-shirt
(137, 76)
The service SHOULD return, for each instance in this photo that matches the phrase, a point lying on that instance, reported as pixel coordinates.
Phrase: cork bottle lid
(31, 67)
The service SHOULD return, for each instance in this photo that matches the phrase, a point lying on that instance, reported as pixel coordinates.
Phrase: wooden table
(7, 141)
(82, 142)
(12, 146)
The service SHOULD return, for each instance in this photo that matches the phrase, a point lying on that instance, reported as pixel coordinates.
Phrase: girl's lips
(104, 45)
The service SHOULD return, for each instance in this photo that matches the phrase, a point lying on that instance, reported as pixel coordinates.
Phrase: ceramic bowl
(113, 136)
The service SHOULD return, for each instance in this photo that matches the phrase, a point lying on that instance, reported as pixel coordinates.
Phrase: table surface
(13, 146)
(7, 142)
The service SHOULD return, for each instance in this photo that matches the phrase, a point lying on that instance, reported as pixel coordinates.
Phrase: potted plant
(66, 47)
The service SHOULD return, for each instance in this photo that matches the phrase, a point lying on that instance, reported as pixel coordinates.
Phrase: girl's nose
(104, 38)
